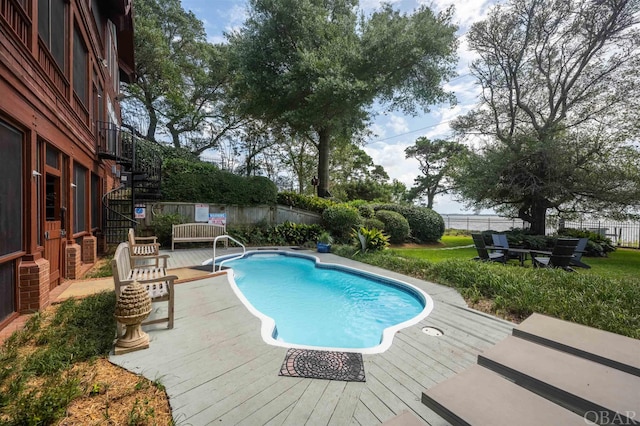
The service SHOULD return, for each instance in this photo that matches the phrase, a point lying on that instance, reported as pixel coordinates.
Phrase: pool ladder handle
(215, 243)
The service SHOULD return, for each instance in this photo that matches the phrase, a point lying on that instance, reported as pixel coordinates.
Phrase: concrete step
(576, 383)
(613, 350)
(479, 396)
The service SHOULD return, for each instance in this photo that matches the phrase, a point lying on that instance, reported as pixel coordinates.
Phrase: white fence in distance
(623, 234)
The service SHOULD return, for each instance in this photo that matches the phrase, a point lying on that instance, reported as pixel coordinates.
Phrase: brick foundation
(33, 286)
(89, 249)
(73, 258)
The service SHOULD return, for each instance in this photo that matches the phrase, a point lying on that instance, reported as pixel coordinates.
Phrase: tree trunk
(539, 218)
(323, 162)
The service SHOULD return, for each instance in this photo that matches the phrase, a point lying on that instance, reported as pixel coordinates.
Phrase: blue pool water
(325, 305)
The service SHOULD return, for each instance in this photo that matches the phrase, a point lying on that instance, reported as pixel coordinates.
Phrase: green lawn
(622, 263)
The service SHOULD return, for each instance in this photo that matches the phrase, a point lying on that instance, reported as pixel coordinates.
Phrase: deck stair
(549, 372)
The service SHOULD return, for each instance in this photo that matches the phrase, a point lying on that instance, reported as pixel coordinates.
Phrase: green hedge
(340, 220)
(199, 182)
(305, 202)
(426, 225)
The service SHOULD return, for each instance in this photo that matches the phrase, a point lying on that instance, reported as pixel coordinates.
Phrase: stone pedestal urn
(133, 307)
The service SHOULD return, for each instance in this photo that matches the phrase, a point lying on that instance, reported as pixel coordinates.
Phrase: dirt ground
(114, 396)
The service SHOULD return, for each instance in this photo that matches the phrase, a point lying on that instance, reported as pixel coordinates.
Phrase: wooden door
(53, 250)
(53, 230)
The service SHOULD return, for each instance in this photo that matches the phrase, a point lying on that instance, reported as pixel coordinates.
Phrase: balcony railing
(13, 12)
(52, 70)
(113, 143)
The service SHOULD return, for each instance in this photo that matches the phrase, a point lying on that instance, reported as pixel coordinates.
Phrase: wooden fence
(235, 215)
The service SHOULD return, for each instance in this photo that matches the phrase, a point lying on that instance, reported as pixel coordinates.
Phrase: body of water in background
(623, 234)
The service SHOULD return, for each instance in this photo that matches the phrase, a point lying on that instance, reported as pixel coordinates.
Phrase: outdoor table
(521, 252)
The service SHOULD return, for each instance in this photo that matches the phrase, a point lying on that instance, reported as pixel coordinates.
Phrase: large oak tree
(182, 80)
(558, 111)
(317, 66)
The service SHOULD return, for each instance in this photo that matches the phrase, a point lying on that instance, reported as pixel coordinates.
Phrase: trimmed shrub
(199, 182)
(339, 220)
(373, 223)
(364, 208)
(395, 225)
(426, 225)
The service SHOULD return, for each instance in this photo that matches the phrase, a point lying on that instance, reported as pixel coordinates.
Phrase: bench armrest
(154, 239)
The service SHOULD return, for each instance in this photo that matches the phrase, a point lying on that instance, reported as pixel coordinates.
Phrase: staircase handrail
(228, 237)
(133, 222)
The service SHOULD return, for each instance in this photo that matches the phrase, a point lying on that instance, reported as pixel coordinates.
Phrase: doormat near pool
(345, 366)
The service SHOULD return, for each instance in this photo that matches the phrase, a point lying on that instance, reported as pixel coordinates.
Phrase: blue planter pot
(323, 248)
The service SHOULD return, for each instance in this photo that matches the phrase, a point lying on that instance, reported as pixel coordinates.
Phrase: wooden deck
(217, 370)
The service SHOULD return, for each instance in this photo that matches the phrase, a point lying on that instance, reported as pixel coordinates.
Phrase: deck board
(216, 368)
(305, 405)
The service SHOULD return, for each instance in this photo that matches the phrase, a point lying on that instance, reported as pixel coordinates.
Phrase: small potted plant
(324, 242)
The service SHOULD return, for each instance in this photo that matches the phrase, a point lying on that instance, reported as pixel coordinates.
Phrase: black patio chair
(484, 254)
(500, 240)
(577, 254)
(561, 255)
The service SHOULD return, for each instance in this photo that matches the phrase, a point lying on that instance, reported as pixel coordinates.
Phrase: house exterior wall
(42, 102)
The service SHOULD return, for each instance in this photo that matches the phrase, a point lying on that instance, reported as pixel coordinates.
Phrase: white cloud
(377, 131)
(466, 13)
(398, 124)
(392, 158)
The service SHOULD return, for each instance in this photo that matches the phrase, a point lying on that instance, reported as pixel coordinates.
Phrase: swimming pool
(304, 303)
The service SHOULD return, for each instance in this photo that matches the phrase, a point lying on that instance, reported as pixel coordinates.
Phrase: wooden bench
(153, 277)
(196, 232)
(142, 247)
(549, 372)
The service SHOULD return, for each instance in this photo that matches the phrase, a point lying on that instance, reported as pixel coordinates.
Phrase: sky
(392, 132)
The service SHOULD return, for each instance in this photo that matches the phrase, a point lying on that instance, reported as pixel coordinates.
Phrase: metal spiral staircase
(139, 165)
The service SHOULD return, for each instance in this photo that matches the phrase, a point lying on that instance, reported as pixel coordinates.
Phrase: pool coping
(268, 325)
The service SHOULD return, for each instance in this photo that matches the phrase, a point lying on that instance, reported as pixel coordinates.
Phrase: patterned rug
(345, 366)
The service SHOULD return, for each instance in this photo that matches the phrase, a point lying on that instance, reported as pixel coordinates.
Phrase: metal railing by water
(215, 243)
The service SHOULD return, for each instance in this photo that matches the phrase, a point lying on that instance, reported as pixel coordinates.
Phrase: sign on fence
(218, 219)
(202, 212)
(140, 211)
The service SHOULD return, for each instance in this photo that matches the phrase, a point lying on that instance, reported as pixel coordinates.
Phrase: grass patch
(101, 269)
(37, 382)
(435, 255)
(603, 297)
(622, 263)
(50, 367)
